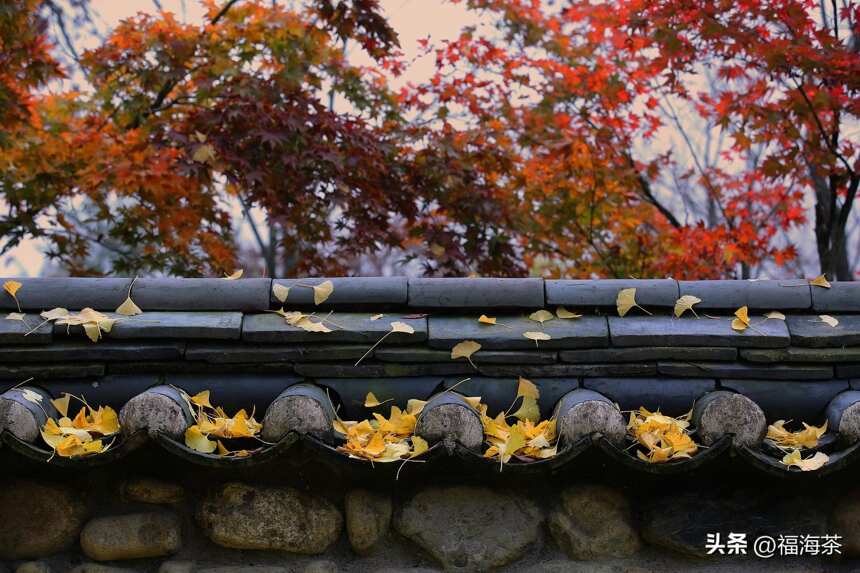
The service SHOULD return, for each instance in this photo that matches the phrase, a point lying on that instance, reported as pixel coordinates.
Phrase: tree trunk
(830, 227)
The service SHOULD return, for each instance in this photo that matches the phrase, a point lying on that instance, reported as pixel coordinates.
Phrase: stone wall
(151, 514)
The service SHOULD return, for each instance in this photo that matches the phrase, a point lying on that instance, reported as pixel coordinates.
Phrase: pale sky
(412, 19)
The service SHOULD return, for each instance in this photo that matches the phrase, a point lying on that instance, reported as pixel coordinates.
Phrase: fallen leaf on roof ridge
(775, 315)
(396, 326)
(827, 319)
(12, 288)
(562, 312)
(484, 319)
(281, 292)
(234, 276)
(626, 300)
(371, 401)
(536, 335)
(16, 316)
(376, 316)
(465, 349)
(686, 303)
(322, 291)
(541, 316)
(128, 308)
(820, 281)
(742, 319)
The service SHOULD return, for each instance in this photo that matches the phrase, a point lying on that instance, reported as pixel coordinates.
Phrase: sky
(413, 20)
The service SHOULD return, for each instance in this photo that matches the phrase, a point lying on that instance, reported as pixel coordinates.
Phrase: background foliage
(538, 146)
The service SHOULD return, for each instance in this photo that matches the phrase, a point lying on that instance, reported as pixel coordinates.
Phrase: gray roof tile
(645, 353)
(585, 332)
(689, 331)
(375, 369)
(73, 293)
(811, 331)
(248, 353)
(478, 293)
(672, 396)
(421, 354)
(572, 370)
(797, 401)
(246, 295)
(15, 332)
(41, 372)
(346, 328)
(105, 351)
(347, 291)
(736, 370)
(795, 354)
(585, 293)
(840, 297)
(756, 294)
(211, 325)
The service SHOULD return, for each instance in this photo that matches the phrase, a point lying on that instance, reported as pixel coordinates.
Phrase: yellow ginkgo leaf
(473, 401)
(827, 319)
(419, 446)
(371, 401)
(810, 464)
(234, 276)
(62, 404)
(398, 326)
(12, 287)
(16, 316)
(527, 388)
(626, 300)
(201, 399)
(742, 319)
(31, 396)
(537, 335)
(281, 292)
(415, 406)
(195, 440)
(128, 308)
(775, 315)
(541, 316)
(55, 314)
(92, 330)
(308, 325)
(686, 303)
(820, 281)
(322, 291)
(465, 350)
(376, 316)
(528, 410)
(484, 319)
(562, 312)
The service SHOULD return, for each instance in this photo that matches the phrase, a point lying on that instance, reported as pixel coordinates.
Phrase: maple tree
(535, 147)
(553, 106)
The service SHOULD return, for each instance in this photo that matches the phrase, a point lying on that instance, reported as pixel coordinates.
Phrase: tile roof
(221, 334)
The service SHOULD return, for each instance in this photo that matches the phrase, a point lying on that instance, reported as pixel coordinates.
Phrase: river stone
(99, 568)
(176, 566)
(131, 536)
(26, 509)
(146, 490)
(33, 567)
(593, 522)
(321, 566)
(470, 528)
(241, 516)
(368, 516)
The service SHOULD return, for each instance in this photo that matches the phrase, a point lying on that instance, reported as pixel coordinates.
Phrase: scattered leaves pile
(662, 437)
(382, 439)
(213, 422)
(83, 435)
(792, 443)
(526, 440)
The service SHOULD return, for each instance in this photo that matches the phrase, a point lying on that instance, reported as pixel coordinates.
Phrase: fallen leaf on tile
(234, 276)
(686, 303)
(820, 281)
(626, 300)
